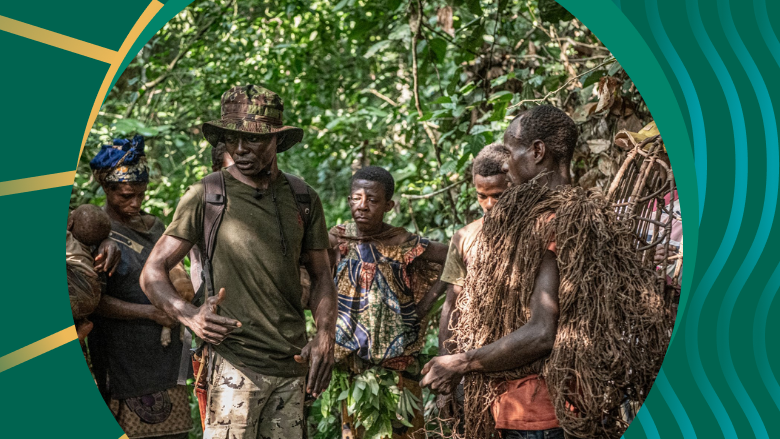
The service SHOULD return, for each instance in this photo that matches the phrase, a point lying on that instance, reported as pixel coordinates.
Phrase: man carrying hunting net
(558, 321)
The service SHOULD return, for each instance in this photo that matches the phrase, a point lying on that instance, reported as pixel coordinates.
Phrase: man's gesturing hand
(209, 326)
(319, 354)
(442, 374)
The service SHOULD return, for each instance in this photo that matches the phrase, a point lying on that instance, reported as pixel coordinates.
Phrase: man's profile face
(251, 153)
(368, 204)
(126, 198)
(489, 190)
(520, 166)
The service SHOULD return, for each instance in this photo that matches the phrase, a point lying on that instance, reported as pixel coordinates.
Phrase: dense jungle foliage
(416, 87)
(370, 82)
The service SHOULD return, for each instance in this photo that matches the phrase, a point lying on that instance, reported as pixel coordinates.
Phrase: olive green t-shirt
(262, 286)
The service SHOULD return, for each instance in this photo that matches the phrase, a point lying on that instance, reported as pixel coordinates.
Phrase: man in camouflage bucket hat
(252, 109)
(256, 324)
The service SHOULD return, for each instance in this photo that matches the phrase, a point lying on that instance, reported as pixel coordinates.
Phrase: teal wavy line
(651, 431)
(676, 407)
(691, 98)
(770, 290)
(735, 220)
(764, 225)
(759, 336)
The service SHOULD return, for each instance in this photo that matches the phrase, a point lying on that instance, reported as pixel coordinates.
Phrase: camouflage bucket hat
(252, 109)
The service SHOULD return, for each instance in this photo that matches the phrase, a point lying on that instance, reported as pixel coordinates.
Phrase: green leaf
(592, 78)
(439, 48)
(614, 68)
(461, 163)
(357, 394)
(502, 79)
(361, 28)
(476, 143)
(475, 7)
(448, 167)
(333, 124)
(426, 116)
(499, 111)
(340, 5)
(374, 386)
(501, 96)
(468, 88)
(384, 44)
(475, 41)
(535, 80)
(412, 399)
(477, 129)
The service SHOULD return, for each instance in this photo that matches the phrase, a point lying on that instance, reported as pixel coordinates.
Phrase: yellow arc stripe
(58, 40)
(139, 26)
(38, 348)
(37, 183)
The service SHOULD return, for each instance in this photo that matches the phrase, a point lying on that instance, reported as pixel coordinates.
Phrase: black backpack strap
(302, 197)
(215, 200)
(214, 204)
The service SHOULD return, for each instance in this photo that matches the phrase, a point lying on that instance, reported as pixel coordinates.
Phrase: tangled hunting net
(612, 334)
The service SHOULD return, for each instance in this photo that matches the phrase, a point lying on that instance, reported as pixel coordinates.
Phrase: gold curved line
(139, 26)
(59, 41)
(37, 183)
(124, 436)
(40, 347)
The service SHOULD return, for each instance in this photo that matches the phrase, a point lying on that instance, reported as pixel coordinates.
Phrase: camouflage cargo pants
(247, 405)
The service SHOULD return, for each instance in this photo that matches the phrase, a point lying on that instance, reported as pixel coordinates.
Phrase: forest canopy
(416, 87)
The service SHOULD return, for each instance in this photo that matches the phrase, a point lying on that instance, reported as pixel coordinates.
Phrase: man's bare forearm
(324, 307)
(156, 283)
(522, 347)
(114, 308)
(158, 288)
(323, 291)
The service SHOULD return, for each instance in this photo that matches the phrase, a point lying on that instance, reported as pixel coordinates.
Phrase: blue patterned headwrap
(122, 162)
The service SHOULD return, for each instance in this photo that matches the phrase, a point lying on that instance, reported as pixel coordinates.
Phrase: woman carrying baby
(137, 374)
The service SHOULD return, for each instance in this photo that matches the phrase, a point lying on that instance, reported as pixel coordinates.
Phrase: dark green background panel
(100, 22)
(34, 286)
(46, 95)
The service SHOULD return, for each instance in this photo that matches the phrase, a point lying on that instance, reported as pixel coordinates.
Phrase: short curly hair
(490, 160)
(550, 125)
(380, 175)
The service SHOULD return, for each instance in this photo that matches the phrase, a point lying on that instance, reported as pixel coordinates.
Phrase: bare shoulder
(468, 232)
